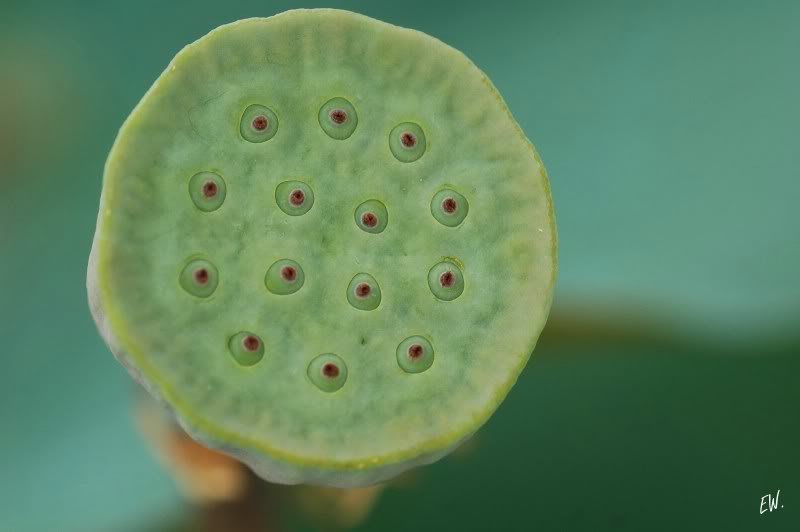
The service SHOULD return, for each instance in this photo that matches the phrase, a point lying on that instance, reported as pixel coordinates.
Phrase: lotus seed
(327, 372)
(449, 207)
(407, 142)
(338, 118)
(363, 292)
(295, 198)
(207, 191)
(446, 281)
(246, 348)
(415, 354)
(199, 278)
(372, 216)
(284, 277)
(258, 124)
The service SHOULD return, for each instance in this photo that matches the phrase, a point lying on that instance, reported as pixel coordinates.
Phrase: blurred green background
(664, 394)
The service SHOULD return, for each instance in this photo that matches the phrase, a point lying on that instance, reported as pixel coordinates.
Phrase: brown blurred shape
(228, 497)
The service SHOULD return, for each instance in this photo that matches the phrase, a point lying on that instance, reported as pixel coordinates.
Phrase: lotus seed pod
(228, 274)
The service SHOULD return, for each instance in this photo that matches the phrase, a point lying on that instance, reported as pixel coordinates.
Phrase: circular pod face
(316, 347)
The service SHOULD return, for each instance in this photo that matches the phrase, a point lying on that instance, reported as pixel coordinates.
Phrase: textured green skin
(383, 420)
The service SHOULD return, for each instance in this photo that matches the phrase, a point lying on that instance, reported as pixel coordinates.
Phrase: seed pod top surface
(324, 243)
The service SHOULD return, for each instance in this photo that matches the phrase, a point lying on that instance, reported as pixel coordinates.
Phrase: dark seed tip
(201, 276)
(415, 351)
(408, 139)
(251, 343)
(447, 279)
(449, 205)
(330, 370)
(297, 197)
(260, 123)
(210, 189)
(369, 219)
(288, 273)
(363, 290)
(338, 116)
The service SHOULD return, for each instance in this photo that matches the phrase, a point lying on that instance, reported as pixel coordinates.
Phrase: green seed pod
(189, 288)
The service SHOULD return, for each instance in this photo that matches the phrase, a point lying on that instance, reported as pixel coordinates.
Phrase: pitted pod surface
(334, 272)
